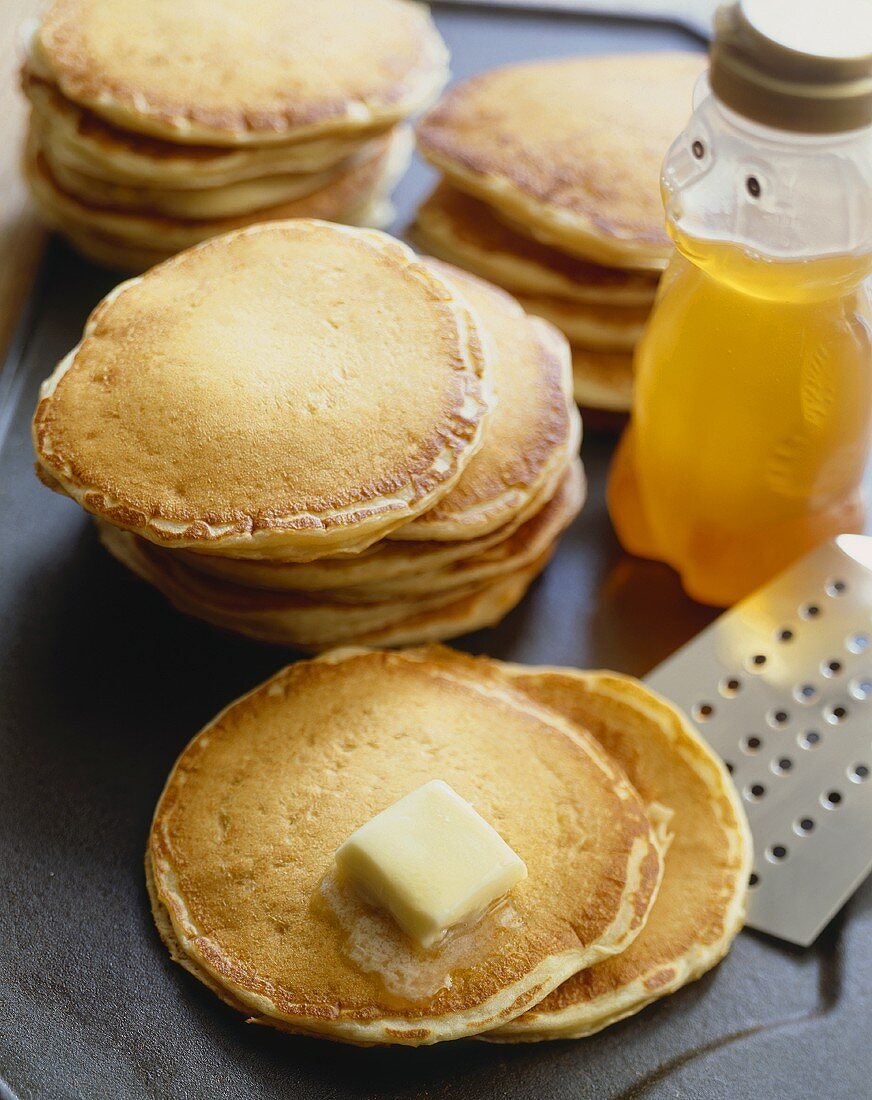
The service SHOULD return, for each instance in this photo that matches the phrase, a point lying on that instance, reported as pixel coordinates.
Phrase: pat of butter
(431, 861)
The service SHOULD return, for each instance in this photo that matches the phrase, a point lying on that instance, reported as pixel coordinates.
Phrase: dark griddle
(101, 684)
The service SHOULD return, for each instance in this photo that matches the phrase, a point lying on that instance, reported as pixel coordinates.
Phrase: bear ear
(689, 157)
(699, 148)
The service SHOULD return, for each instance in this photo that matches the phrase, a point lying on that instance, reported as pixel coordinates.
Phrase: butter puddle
(412, 974)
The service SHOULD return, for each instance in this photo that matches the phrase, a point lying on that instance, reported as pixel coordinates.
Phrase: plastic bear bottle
(753, 405)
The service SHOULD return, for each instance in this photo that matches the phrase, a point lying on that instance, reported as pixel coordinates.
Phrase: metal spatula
(781, 686)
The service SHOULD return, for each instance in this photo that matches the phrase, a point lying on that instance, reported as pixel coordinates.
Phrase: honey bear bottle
(752, 411)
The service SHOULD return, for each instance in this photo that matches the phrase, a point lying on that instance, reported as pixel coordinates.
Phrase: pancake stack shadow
(303, 433)
(551, 189)
(153, 128)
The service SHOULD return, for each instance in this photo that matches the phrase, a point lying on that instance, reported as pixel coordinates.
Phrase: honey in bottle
(752, 411)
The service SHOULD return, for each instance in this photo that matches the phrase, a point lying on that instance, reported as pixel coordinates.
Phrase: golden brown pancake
(603, 380)
(384, 562)
(465, 231)
(593, 327)
(295, 387)
(227, 72)
(536, 537)
(314, 623)
(701, 904)
(475, 593)
(241, 849)
(113, 252)
(569, 150)
(307, 622)
(343, 579)
(484, 607)
(86, 143)
(344, 199)
(531, 430)
(205, 204)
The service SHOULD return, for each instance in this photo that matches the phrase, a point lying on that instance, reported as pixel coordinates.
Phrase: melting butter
(430, 861)
(409, 973)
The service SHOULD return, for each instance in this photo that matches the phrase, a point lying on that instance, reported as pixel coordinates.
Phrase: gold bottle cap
(799, 65)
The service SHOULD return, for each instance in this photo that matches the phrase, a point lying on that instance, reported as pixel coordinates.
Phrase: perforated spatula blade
(781, 687)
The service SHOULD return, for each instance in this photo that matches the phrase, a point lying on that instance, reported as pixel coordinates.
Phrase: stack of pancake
(301, 432)
(551, 189)
(635, 842)
(156, 125)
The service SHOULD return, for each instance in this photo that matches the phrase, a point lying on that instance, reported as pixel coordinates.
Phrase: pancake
(241, 849)
(385, 562)
(288, 616)
(109, 251)
(242, 71)
(464, 231)
(539, 534)
(350, 192)
(530, 430)
(478, 593)
(591, 327)
(603, 380)
(532, 539)
(485, 607)
(569, 150)
(391, 570)
(701, 904)
(311, 623)
(84, 142)
(206, 203)
(295, 387)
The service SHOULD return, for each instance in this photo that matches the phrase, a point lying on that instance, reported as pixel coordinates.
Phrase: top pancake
(570, 150)
(295, 387)
(530, 430)
(230, 71)
(244, 834)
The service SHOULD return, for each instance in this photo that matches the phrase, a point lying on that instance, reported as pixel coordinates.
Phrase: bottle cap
(799, 65)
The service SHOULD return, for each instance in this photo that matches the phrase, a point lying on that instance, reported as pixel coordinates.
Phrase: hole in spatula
(805, 693)
(730, 687)
(861, 689)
